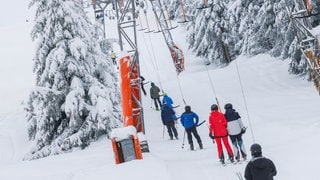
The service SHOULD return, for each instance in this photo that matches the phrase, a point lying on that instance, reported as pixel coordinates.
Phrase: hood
(229, 111)
(259, 163)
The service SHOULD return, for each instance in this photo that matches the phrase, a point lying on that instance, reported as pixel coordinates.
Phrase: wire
(212, 88)
(245, 102)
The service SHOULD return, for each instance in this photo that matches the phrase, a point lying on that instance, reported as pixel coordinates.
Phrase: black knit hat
(187, 108)
(256, 150)
(228, 106)
(214, 107)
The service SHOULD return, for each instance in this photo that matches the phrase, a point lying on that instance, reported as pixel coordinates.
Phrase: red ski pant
(225, 141)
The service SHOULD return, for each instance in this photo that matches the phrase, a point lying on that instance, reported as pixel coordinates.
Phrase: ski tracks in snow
(200, 164)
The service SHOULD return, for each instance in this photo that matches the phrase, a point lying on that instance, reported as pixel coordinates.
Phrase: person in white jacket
(235, 130)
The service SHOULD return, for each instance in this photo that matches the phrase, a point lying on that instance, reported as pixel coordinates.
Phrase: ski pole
(184, 135)
(163, 132)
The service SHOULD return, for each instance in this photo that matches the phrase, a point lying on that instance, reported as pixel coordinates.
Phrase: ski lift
(157, 26)
(141, 26)
(168, 18)
(183, 13)
(145, 15)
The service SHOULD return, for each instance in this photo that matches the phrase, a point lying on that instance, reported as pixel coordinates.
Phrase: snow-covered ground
(281, 110)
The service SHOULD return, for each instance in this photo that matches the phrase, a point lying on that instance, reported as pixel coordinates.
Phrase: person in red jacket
(219, 132)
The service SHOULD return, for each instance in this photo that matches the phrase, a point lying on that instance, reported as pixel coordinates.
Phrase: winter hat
(187, 108)
(228, 106)
(214, 107)
(165, 94)
(256, 150)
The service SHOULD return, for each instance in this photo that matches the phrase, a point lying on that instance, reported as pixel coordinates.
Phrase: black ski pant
(238, 146)
(156, 101)
(172, 129)
(190, 131)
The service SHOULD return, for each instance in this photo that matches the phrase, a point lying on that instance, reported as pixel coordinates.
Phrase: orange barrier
(115, 151)
(137, 148)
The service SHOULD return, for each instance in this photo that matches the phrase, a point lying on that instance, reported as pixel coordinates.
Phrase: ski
(239, 175)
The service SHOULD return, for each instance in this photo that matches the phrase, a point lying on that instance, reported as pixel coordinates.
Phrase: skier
(166, 99)
(154, 94)
(235, 131)
(167, 115)
(190, 120)
(219, 132)
(259, 167)
(113, 57)
(142, 85)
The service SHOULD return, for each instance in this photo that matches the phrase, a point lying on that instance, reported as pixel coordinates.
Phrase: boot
(200, 145)
(191, 147)
(222, 160)
(231, 159)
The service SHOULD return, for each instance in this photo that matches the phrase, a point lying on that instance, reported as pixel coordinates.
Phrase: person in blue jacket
(167, 115)
(189, 120)
(167, 100)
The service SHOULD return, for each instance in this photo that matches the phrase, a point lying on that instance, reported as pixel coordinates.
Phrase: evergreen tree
(75, 99)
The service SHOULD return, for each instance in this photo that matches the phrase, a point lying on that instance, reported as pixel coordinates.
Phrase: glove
(243, 130)
(211, 136)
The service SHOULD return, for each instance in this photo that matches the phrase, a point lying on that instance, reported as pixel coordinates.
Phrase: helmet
(214, 107)
(187, 108)
(228, 106)
(255, 150)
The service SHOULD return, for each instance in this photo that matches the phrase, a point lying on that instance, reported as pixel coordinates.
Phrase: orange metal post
(130, 94)
(125, 87)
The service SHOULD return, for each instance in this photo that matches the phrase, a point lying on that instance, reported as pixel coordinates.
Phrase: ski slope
(281, 110)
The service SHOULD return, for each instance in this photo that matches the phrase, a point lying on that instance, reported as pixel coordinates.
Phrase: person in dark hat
(218, 131)
(167, 117)
(235, 130)
(155, 95)
(189, 121)
(259, 167)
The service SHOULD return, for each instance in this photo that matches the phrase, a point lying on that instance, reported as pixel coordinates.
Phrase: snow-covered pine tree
(209, 37)
(76, 98)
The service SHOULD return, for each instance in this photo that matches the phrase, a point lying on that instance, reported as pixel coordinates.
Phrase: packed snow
(280, 110)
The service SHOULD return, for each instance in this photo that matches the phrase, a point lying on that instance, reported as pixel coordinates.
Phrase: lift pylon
(308, 41)
(176, 52)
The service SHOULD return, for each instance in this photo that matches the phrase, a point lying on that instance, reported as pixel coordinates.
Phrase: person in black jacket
(235, 131)
(259, 167)
(167, 117)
